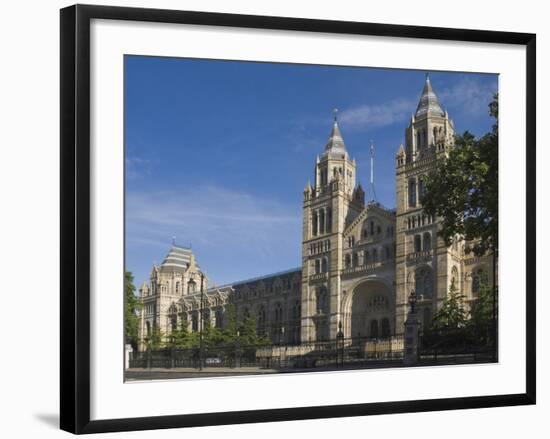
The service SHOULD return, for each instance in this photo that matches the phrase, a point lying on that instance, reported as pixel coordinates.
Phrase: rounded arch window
(374, 328)
(278, 313)
(424, 283)
(317, 266)
(412, 192)
(427, 241)
(479, 278)
(385, 329)
(321, 300)
(454, 278)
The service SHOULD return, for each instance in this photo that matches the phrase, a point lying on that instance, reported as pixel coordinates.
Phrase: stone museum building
(360, 261)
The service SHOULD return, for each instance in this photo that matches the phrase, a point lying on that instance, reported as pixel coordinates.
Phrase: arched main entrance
(369, 310)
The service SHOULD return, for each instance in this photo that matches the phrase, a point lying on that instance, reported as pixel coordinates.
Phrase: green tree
(229, 334)
(211, 335)
(481, 315)
(156, 339)
(451, 315)
(132, 306)
(180, 338)
(247, 331)
(463, 190)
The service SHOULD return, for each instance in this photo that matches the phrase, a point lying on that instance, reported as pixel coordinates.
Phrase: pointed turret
(307, 191)
(400, 151)
(335, 144)
(144, 289)
(429, 102)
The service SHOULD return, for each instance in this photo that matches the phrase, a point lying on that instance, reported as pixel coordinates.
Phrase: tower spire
(428, 105)
(335, 142)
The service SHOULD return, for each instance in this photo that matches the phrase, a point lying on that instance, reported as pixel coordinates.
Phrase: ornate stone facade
(360, 261)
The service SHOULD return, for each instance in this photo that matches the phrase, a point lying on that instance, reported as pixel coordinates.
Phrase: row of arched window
(319, 247)
(416, 189)
(323, 175)
(259, 289)
(422, 243)
(277, 322)
(419, 220)
(320, 265)
(365, 257)
(422, 137)
(380, 329)
(370, 230)
(321, 221)
(175, 317)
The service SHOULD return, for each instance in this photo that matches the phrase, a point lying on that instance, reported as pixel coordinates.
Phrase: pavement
(145, 374)
(141, 374)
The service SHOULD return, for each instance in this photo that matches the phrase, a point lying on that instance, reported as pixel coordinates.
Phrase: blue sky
(218, 152)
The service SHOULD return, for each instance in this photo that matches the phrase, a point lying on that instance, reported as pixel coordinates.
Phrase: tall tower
(329, 205)
(423, 262)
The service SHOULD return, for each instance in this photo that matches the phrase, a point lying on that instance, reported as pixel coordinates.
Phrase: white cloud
(378, 115)
(468, 94)
(212, 218)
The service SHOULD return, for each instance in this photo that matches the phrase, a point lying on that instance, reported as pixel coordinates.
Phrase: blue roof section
(256, 279)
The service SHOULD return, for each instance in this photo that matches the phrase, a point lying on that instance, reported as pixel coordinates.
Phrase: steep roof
(335, 144)
(429, 103)
(177, 259)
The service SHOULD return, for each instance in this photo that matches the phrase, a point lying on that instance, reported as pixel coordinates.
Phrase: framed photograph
(268, 218)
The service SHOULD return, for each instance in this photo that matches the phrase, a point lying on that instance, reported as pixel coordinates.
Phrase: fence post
(411, 344)
(127, 355)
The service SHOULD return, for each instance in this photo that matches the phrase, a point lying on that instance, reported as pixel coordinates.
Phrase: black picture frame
(75, 217)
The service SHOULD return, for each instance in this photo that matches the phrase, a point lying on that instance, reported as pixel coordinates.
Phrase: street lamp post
(340, 345)
(238, 350)
(201, 321)
(411, 342)
(172, 350)
(412, 300)
(148, 352)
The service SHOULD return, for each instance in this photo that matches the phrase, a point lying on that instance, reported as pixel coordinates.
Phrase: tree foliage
(156, 340)
(247, 331)
(132, 305)
(180, 338)
(454, 326)
(463, 190)
(229, 334)
(451, 315)
(481, 322)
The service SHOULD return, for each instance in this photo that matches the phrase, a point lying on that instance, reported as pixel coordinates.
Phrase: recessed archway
(368, 310)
